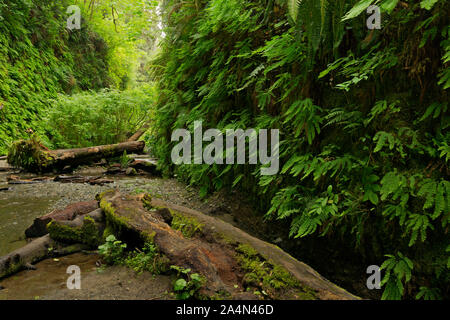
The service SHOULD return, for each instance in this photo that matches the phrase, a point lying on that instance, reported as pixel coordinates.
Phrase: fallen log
(34, 157)
(86, 229)
(35, 251)
(140, 132)
(25, 256)
(323, 288)
(39, 226)
(231, 260)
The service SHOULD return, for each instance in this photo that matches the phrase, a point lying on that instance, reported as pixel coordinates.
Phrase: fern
(398, 270)
(426, 293)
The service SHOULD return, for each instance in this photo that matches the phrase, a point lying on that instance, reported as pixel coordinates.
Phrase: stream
(22, 203)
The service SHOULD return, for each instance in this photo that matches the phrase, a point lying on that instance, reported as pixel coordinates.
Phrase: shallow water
(16, 215)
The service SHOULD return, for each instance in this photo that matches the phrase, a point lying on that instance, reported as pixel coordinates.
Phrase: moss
(147, 201)
(88, 233)
(106, 233)
(64, 233)
(100, 196)
(188, 226)
(31, 155)
(119, 226)
(272, 279)
(223, 238)
(115, 223)
(12, 269)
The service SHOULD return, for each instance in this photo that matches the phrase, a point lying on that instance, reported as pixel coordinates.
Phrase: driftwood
(34, 157)
(323, 288)
(83, 179)
(96, 215)
(39, 226)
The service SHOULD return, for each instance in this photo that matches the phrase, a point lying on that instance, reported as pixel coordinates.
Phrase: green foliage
(29, 154)
(188, 284)
(112, 250)
(363, 116)
(125, 160)
(188, 226)
(98, 118)
(398, 269)
(129, 29)
(148, 259)
(39, 58)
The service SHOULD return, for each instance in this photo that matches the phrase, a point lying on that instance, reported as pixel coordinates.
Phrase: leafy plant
(188, 284)
(112, 250)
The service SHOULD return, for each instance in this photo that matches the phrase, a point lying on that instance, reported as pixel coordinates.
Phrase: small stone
(131, 172)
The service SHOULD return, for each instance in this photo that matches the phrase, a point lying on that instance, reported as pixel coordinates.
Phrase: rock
(67, 169)
(131, 172)
(146, 165)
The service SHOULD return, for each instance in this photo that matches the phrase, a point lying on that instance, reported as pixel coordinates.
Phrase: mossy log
(34, 157)
(39, 226)
(84, 229)
(301, 272)
(214, 249)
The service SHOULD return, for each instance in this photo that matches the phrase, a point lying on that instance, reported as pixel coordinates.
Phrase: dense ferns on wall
(39, 58)
(363, 116)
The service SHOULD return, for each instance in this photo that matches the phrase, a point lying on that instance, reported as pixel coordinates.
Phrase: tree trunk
(32, 156)
(215, 250)
(74, 157)
(140, 132)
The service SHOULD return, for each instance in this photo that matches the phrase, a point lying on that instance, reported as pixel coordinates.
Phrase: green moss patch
(271, 279)
(188, 226)
(30, 155)
(87, 234)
